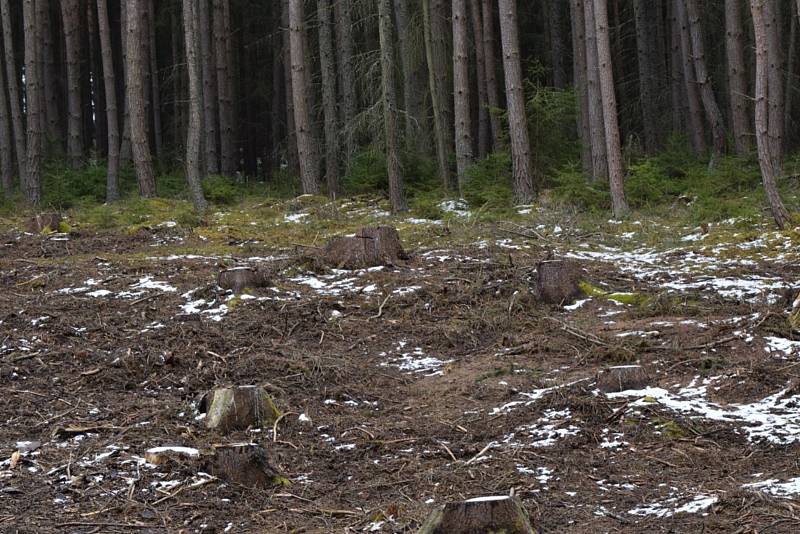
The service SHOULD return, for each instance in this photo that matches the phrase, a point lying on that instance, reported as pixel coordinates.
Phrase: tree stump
(483, 515)
(238, 279)
(245, 464)
(370, 247)
(44, 222)
(558, 281)
(163, 455)
(622, 378)
(237, 408)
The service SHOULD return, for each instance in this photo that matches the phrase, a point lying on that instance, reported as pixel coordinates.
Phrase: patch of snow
(668, 508)
(295, 217)
(777, 488)
(148, 283)
(783, 345)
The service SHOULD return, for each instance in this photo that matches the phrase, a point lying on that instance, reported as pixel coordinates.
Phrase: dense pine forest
(399, 266)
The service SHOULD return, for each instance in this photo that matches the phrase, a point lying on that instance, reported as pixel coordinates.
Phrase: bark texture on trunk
(135, 91)
(70, 16)
(224, 60)
(292, 162)
(615, 170)
(347, 77)
(112, 111)
(645, 16)
(396, 195)
(694, 121)
(34, 100)
(517, 116)
(210, 101)
(776, 81)
(436, 53)
(557, 48)
(461, 97)
(15, 101)
(480, 75)
(193, 164)
(765, 157)
(489, 58)
(737, 75)
(155, 82)
(596, 122)
(302, 115)
(581, 89)
(51, 110)
(411, 97)
(6, 152)
(328, 68)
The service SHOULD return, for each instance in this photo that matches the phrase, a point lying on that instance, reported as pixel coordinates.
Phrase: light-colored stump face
(481, 515)
(370, 247)
(238, 408)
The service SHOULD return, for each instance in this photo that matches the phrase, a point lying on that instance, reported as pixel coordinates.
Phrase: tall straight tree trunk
(615, 171)
(412, 112)
(645, 16)
(489, 58)
(713, 114)
(765, 157)
(776, 81)
(155, 82)
(790, 76)
(33, 99)
(396, 195)
(97, 104)
(436, 53)
(302, 115)
(291, 132)
(554, 17)
(347, 77)
(126, 150)
(112, 112)
(6, 152)
(480, 70)
(596, 122)
(676, 82)
(135, 91)
(463, 119)
(15, 100)
(224, 53)
(517, 117)
(51, 110)
(193, 164)
(579, 76)
(70, 16)
(694, 120)
(328, 68)
(737, 75)
(210, 101)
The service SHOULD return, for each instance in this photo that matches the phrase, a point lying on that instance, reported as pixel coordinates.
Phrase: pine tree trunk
(347, 77)
(676, 82)
(489, 57)
(737, 75)
(302, 116)
(15, 100)
(112, 112)
(33, 98)
(155, 82)
(645, 16)
(596, 122)
(193, 163)
(776, 81)
(517, 116)
(615, 171)
(790, 76)
(463, 119)
(97, 99)
(713, 114)
(210, 101)
(135, 91)
(765, 157)
(412, 114)
(291, 132)
(579, 75)
(6, 152)
(557, 53)
(436, 54)
(328, 68)
(480, 71)
(386, 31)
(125, 149)
(70, 16)
(52, 130)
(224, 53)
(694, 120)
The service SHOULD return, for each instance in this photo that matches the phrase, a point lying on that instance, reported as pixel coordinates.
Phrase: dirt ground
(404, 387)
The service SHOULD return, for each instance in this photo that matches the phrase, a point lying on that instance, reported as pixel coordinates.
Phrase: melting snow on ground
(670, 506)
(776, 487)
(415, 361)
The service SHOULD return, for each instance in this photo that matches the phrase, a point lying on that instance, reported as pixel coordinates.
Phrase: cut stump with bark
(246, 464)
(622, 378)
(558, 281)
(163, 455)
(237, 408)
(502, 514)
(238, 279)
(44, 222)
(370, 247)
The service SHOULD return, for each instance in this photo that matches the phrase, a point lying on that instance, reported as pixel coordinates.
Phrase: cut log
(245, 464)
(237, 408)
(238, 279)
(163, 455)
(558, 281)
(370, 247)
(622, 378)
(44, 222)
(479, 516)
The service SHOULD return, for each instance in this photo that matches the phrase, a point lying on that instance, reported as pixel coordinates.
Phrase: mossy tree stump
(237, 408)
(238, 279)
(246, 464)
(370, 247)
(558, 281)
(622, 378)
(484, 515)
(45, 222)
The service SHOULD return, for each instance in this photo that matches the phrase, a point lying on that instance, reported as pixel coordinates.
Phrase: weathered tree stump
(163, 455)
(245, 464)
(237, 408)
(622, 378)
(370, 247)
(483, 515)
(558, 281)
(44, 221)
(238, 279)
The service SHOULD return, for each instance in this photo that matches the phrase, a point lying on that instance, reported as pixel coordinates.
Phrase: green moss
(64, 228)
(281, 481)
(634, 299)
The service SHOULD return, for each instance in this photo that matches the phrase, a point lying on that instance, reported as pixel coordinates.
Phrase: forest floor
(406, 386)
